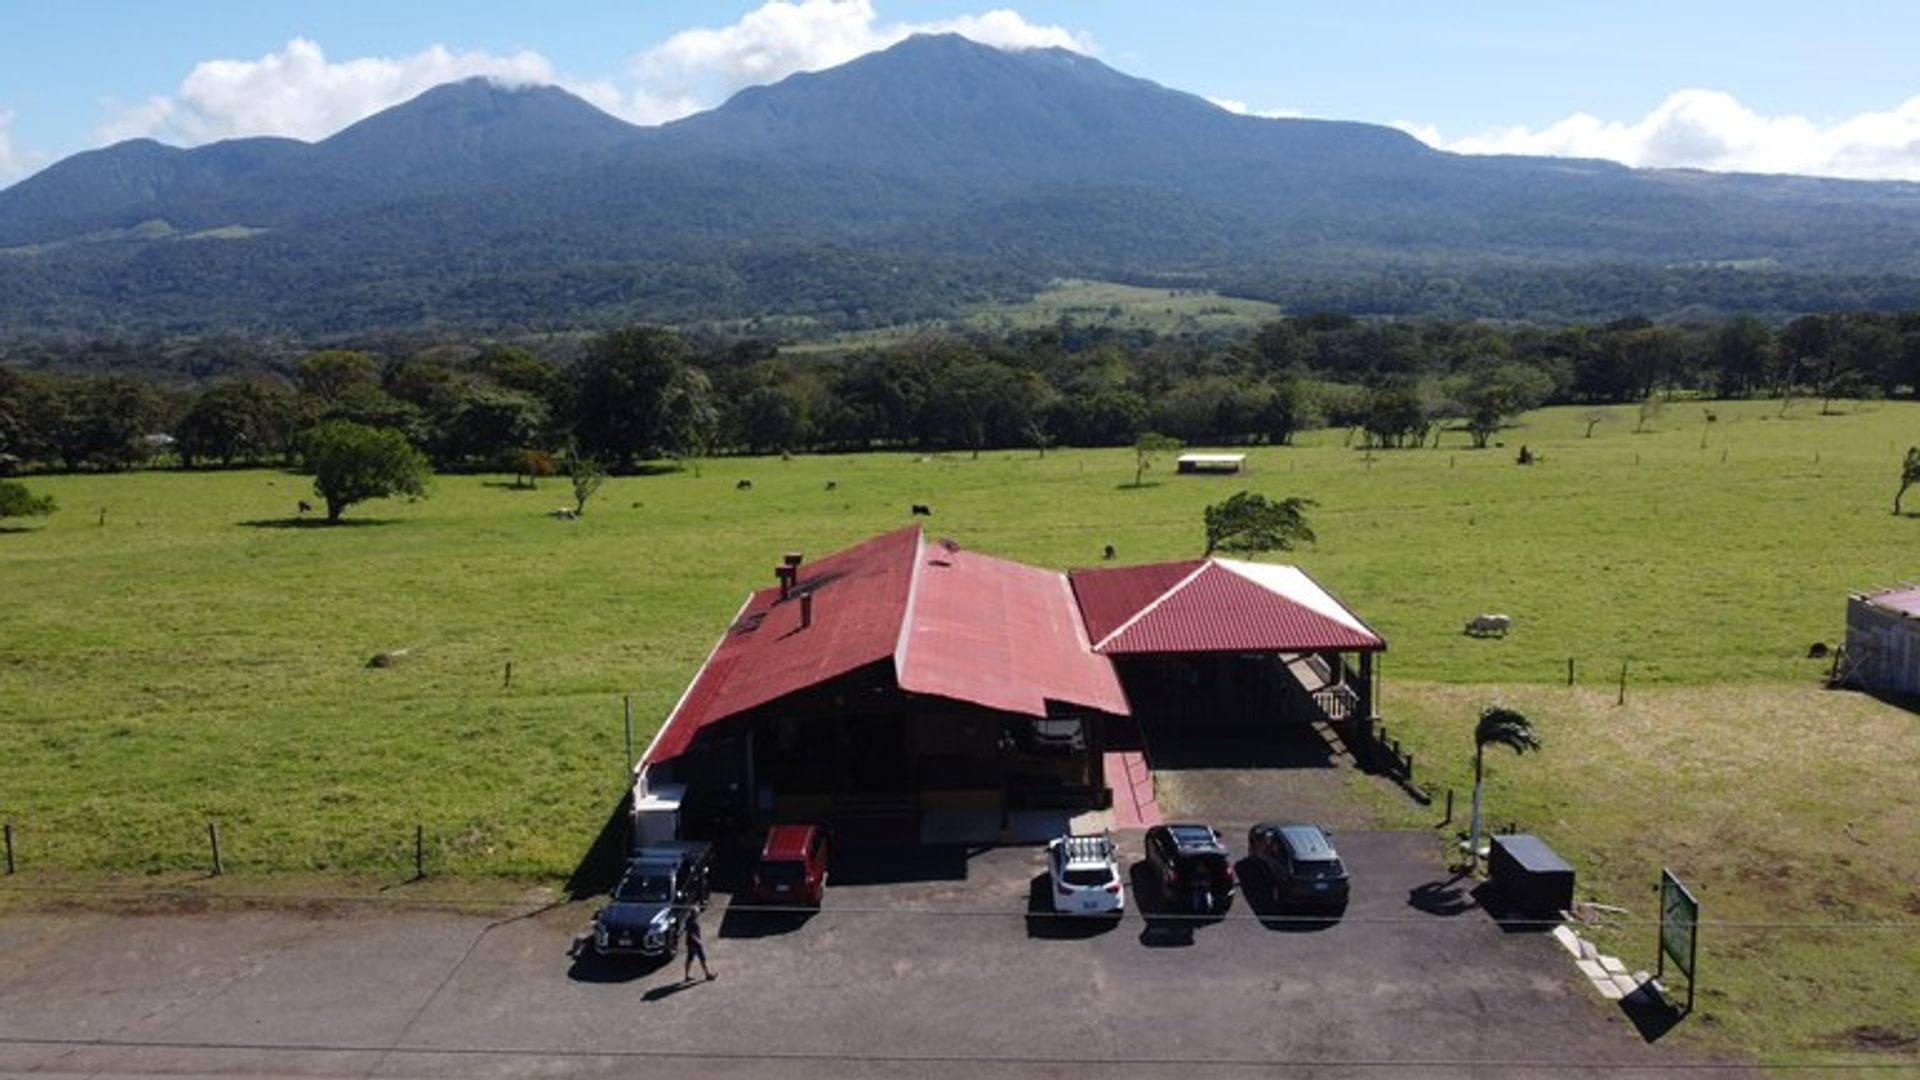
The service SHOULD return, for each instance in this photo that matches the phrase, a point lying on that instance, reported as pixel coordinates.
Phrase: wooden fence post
(1622, 699)
(419, 852)
(9, 849)
(1569, 671)
(213, 838)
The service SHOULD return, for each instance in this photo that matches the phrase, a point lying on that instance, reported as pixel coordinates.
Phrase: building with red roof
(906, 672)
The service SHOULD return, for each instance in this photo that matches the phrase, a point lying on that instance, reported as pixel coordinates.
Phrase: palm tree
(1498, 726)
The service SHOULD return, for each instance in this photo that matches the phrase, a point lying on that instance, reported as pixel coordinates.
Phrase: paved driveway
(948, 974)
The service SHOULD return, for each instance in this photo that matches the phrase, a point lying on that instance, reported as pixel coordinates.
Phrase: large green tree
(1490, 391)
(618, 393)
(237, 420)
(352, 463)
(1250, 523)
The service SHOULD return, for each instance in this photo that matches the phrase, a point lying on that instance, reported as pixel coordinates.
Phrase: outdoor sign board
(1679, 929)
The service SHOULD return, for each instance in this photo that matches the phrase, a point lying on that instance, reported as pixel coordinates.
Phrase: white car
(1085, 875)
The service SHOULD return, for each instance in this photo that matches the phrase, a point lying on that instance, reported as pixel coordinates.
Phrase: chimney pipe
(806, 610)
(792, 559)
(784, 575)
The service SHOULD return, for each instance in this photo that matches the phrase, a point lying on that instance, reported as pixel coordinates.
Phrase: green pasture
(172, 651)
(1128, 307)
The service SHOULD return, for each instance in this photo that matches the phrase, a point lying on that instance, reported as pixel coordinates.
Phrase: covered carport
(1221, 643)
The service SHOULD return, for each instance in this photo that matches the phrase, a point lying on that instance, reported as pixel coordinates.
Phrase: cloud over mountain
(299, 92)
(1709, 129)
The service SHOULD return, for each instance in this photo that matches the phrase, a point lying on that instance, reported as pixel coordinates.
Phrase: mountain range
(907, 184)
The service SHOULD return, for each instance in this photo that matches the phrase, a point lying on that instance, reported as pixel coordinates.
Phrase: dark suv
(1300, 861)
(1193, 866)
(663, 885)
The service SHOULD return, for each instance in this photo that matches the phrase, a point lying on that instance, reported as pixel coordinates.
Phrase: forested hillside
(907, 185)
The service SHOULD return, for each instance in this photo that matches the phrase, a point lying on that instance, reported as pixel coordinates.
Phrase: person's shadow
(662, 993)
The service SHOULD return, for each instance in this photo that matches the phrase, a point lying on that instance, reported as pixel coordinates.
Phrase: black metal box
(1530, 875)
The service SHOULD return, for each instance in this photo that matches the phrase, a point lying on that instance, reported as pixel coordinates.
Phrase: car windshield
(1087, 876)
(645, 889)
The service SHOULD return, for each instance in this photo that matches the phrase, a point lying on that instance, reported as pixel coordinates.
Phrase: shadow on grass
(1046, 924)
(10, 530)
(508, 485)
(1651, 1013)
(601, 865)
(1131, 486)
(315, 523)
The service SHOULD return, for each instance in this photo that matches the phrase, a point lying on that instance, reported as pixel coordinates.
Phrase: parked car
(1085, 874)
(1193, 866)
(663, 885)
(1301, 862)
(1064, 735)
(792, 867)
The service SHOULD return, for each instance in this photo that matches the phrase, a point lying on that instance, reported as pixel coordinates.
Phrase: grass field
(171, 652)
(1085, 303)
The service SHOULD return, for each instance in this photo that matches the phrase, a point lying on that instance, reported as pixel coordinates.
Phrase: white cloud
(1708, 129)
(699, 68)
(1241, 107)
(10, 164)
(298, 92)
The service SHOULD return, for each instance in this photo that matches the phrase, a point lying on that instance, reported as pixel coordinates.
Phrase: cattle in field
(922, 510)
(564, 513)
(306, 507)
(743, 485)
(1488, 626)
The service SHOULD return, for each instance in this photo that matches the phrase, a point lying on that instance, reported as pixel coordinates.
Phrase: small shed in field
(1883, 641)
(1211, 463)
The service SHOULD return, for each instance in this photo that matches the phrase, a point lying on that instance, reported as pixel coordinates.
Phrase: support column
(1364, 692)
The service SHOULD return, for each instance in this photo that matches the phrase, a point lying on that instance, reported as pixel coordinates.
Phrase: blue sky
(1779, 87)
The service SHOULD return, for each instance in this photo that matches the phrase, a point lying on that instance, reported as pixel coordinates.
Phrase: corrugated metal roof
(858, 597)
(1111, 595)
(951, 623)
(1217, 605)
(1000, 634)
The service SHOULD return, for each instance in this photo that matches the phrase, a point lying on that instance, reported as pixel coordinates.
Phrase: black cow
(922, 510)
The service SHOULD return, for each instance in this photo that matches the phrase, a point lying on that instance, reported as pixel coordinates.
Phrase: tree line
(644, 393)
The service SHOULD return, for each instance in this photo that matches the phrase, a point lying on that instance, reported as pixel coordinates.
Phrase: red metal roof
(1111, 595)
(1216, 605)
(858, 597)
(952, 623)
(1000, 634)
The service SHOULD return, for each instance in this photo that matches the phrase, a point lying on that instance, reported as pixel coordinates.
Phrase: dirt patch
(1875, 1037)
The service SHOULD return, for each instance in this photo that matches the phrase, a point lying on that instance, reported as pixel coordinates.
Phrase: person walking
(696, 948)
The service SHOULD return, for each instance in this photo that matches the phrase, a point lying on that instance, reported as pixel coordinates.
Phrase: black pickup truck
(664, 884)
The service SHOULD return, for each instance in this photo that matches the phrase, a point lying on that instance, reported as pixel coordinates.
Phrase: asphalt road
(945, 975)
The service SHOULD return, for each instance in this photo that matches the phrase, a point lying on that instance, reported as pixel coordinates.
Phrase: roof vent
(806, 610)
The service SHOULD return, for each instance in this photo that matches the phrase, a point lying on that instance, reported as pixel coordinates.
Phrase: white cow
(565, 513)
(1489, 625)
